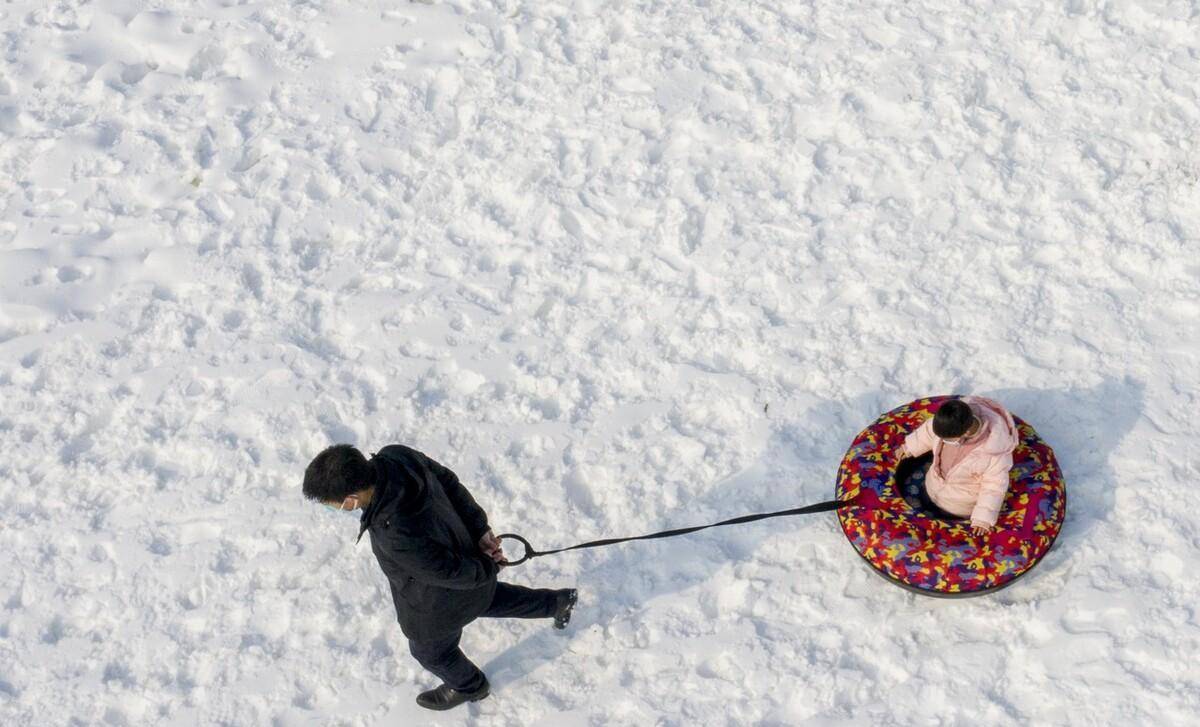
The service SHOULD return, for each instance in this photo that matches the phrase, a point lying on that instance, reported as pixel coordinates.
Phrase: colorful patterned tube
(916, 550)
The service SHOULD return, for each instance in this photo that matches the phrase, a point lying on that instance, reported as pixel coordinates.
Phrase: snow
(624, 266)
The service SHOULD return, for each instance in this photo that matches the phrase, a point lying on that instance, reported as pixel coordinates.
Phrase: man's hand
(490, 545)
(981, 529)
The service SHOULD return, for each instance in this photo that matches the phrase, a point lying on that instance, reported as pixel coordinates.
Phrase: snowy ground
(624, 266)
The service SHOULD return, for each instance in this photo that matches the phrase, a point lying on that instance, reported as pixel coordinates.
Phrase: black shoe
(445, 697)
(563, 604)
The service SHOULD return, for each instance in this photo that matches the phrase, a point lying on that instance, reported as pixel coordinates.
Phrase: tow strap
(826, 506)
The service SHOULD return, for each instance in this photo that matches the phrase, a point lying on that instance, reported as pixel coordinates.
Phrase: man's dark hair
(952, 419)
(337, 473)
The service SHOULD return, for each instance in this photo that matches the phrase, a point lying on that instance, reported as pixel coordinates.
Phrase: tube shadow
(1083, 427)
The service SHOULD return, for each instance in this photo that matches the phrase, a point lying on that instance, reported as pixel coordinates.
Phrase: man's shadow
(799, 466)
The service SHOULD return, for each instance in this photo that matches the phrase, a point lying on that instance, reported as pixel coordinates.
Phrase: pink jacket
(977, 485)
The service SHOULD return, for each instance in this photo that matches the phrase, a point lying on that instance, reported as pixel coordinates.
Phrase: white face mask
(341, 506)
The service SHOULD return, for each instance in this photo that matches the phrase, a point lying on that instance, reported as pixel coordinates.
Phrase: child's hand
(901, 453)
(981, 529)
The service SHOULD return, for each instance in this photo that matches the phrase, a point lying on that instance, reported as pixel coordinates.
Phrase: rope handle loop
(529, 551)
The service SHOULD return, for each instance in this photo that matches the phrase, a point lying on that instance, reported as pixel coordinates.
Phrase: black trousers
(913, 487)
(442, 655)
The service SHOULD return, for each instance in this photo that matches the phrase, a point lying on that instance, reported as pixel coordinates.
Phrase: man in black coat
(439, 555)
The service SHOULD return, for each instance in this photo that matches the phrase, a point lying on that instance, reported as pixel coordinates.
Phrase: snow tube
(913, 547)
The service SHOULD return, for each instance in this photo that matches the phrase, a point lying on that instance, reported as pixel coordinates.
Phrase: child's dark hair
(953, 419)
(337, 473)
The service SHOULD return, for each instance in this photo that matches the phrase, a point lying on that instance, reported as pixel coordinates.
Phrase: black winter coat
(425, 529)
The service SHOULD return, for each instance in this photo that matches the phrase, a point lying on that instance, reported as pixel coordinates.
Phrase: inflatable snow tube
(919, 551)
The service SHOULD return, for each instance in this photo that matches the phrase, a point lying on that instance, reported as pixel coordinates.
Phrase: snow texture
(624, 266)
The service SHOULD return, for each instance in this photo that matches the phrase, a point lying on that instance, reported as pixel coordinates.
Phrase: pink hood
(1003, 438)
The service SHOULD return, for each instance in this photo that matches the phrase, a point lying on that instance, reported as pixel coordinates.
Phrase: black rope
(826, 506)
